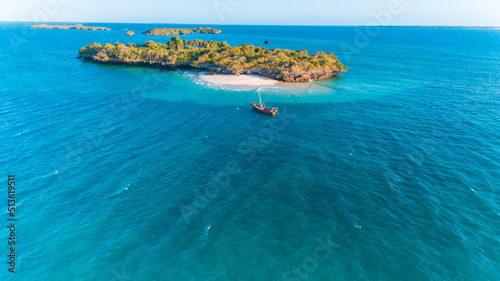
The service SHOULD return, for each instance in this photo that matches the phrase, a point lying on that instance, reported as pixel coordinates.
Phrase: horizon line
(240, 24)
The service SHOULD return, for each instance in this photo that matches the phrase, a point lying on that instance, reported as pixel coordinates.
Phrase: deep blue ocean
(389, 172)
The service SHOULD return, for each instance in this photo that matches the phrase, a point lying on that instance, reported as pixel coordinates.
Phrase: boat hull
(265, 110)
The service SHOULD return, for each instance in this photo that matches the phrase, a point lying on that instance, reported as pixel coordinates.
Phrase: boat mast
(260, 99)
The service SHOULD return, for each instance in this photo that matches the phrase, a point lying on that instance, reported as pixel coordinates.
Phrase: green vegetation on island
(76, 26)
(285, 65)
(130, 33)
(181, 31)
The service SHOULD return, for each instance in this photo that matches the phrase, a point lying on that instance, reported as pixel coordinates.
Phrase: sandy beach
(252, 81)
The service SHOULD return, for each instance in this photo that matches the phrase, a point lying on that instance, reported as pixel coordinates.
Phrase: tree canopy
(212, 54)
(182, 31)
(76, 26)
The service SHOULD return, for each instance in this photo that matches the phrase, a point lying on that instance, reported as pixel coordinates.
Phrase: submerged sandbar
(253, 81)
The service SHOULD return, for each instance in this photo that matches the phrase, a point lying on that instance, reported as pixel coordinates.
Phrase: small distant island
(216, 57)
(130, 33)
(76, 26)
(181, 31)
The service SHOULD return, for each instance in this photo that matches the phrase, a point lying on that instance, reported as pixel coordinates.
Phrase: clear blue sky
(282, 12)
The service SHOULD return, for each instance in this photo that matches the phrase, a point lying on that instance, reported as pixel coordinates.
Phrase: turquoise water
(390, 172)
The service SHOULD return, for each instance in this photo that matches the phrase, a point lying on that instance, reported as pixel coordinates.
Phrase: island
(76, 26)
(221, 58)
(130, 33)
(181, 31)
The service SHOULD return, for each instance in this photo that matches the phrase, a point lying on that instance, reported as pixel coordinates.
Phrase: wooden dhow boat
(262, 108)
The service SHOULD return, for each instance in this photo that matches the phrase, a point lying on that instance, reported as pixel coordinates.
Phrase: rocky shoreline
(217, 70)
(181, 31)
(219, 57)
(76, 26)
